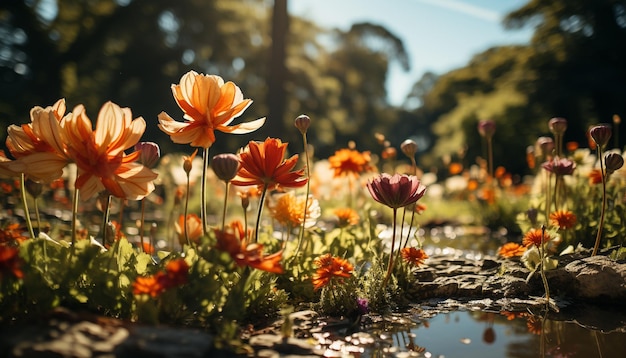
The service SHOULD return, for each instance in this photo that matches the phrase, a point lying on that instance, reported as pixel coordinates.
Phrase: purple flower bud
(150, 153)
(225, 166)
(362, 305)
(545, 146)
(302, 123)
(601, 134)
(613, 161)
(409, 148)
(486, 128)
(557, 125)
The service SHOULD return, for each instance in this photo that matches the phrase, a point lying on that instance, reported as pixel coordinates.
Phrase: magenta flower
(560, 166)
(396, 190)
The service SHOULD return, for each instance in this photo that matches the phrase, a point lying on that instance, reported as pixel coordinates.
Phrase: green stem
(258, 217)
(45, 241)
(401, 227)
(490, 155)
(308, 190)
(74, 221)
(105, 219)
(393, 242)
(203, 207)
(601, 224)
(185, 229)
(29, 224)
(141, 224)
(543, 273)
(225, 204)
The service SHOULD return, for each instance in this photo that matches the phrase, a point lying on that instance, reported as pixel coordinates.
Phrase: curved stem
(601, 224)
(74, 220)
(393, 242)
(29, 224)
(258, 217)
(203, 214)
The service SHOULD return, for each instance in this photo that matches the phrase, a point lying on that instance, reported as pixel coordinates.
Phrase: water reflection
(479, 334)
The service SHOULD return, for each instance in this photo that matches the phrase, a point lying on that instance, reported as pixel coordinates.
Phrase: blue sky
(439, 35)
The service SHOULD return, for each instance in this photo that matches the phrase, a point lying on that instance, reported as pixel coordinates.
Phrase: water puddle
(475, 334)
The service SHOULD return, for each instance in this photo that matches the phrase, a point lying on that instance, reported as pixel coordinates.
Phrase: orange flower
(99, 155)
(40, 146)
(329, 267)
(10, 262)
(194, 228)
(511, 249)
(346, 217)
(245, 254)
(595, 176)
(563, 219)
(176, 273)
(534, 237)
(263, 165)
(350, 162)
(413, 256)
(288, 209)
(151, 285)
(209, 104)
(455, 168)
(12, 232)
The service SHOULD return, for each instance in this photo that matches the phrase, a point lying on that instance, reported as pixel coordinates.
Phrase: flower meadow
(220, 240)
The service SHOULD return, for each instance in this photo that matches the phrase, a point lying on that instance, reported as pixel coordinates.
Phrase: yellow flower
(288, 209)
(209, 104)
(346, 217)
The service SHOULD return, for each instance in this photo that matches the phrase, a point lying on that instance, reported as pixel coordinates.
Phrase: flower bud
(613, 161)
(532, 215)
(225, 166)
(601, 134)
(544, 145)
(188, 162)
(486, 128)
(33, 188)
(409, 148)
(150, 153)
(302, 123)
(557, 125)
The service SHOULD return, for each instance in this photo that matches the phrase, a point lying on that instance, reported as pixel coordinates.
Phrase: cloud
(467, 9)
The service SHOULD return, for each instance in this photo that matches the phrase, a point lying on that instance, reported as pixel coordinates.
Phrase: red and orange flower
(563, 219)
(10, 262)
(209, 104)
(263, 165)
(511, 249)
(536, 237)
(328, 268)
(415, 257)
(234, 241)
(175, 274)
(396, 190)
(350, 162)
(346, 217)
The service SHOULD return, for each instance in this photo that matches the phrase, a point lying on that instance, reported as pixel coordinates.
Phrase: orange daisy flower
(346, 217)
(150, 285)
(263, 165)
(10, 262)
(209, 104)
(99, 155)
(511, 249)
(350, 162)
(330, 267)
(534, 237)
(563, 219)
(413, 256)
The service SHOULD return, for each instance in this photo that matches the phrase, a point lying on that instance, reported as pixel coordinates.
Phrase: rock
(598, 278)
